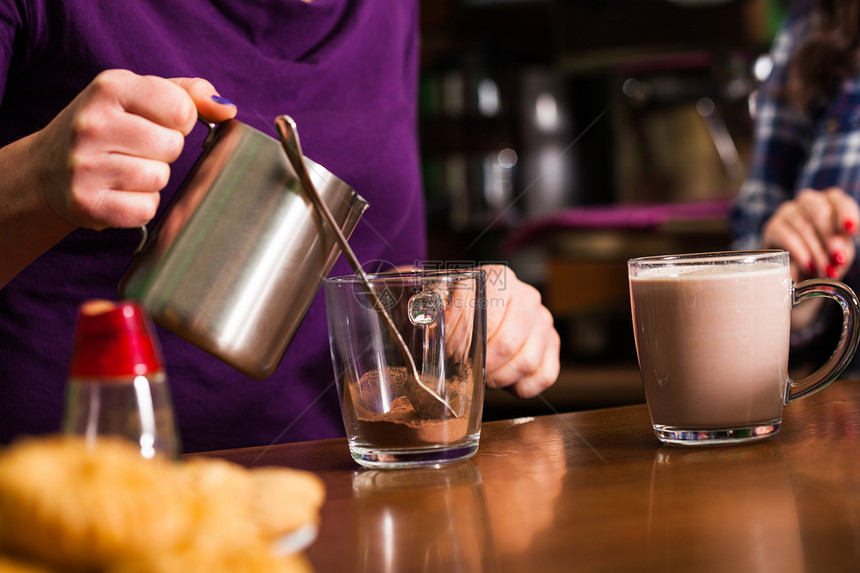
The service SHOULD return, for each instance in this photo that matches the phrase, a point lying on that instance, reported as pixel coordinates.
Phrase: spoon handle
(290, 141)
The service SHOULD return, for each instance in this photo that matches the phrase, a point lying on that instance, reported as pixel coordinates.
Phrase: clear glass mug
(712, 337)
(441, 316)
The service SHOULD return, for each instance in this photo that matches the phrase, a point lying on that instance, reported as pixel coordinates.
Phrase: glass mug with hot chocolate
(712, 337)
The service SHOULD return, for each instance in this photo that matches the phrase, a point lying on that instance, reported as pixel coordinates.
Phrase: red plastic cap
(114, 339)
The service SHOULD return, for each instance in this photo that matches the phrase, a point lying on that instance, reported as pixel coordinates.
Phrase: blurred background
(564, 137)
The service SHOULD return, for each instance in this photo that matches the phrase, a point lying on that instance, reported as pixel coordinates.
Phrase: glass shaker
(117, 385)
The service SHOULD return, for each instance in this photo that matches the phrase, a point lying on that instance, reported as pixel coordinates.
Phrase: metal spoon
(289, 136)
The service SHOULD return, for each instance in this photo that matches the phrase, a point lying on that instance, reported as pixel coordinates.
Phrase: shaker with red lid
(117, 385)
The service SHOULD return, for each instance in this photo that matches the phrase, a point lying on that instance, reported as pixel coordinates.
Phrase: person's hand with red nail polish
(818, 229)
(800, 191)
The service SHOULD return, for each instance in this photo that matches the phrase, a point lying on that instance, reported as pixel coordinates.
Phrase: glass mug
(391, 421)
(712, 338)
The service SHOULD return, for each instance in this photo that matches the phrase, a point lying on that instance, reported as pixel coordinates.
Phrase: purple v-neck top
(346, 70)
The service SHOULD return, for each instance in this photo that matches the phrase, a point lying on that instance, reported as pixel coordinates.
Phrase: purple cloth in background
(616, 217)
(345, 70)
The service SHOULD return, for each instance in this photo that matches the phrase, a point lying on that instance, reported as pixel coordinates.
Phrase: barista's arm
(100, 163)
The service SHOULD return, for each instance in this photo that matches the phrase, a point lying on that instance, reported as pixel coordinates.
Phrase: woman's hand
(817, 228)
(99, 163)
(522, 343)
(103, 160)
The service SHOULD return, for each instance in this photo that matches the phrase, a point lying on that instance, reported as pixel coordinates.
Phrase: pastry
(72, 505)
(80, 506)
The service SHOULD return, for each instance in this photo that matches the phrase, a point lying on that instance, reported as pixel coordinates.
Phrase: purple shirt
(346, 70)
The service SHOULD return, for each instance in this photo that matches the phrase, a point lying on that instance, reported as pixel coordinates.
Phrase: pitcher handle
(848, 340)
(207, 141)
(144, 235)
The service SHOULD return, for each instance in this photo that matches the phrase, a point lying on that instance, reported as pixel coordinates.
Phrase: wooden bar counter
(596, 491)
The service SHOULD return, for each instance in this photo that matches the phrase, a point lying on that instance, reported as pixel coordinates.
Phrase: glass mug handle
(838, 361)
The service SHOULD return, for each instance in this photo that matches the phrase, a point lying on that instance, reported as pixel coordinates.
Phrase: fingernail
(839, 258)
(222, 100)
(850, 226)
(831, 272)
(811, 268)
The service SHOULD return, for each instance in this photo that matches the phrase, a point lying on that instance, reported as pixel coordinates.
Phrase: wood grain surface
(596, 491)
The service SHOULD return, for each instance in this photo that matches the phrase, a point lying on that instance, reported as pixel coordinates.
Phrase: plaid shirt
(793, 150)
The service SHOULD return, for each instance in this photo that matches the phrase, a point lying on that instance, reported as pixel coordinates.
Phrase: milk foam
(699, 271)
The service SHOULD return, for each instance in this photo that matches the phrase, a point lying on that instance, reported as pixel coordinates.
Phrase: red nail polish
(811, 268)
(850, 226)
(839, 258)
(831, 272)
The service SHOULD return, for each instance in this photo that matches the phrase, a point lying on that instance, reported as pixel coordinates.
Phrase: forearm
(28, 226)
(101, 162)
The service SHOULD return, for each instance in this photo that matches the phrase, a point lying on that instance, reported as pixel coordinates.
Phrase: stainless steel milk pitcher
(238, 257)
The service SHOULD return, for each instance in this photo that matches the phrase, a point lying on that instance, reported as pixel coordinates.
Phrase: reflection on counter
(759, 524)
(445, 520)
(523, 506)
